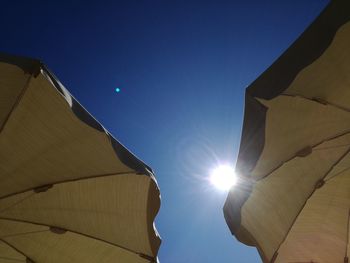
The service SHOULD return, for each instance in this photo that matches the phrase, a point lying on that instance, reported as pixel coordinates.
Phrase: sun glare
(223, 177)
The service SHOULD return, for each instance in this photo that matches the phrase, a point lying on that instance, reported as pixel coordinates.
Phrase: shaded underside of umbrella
(293, 198)
(69, 192)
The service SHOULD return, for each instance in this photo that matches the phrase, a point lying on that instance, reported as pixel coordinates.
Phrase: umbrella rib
(14, 248)
(14, 106)
(66, 181)
(81, 234)
(316, 100)
(296, 155)
(302, 208)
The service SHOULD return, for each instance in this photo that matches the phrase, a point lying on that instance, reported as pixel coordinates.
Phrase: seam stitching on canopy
(12, 259)
(67, 181)
(312, 192)
(78, 233)
(316, 100)
(347, 237)
(18, 99)
(296, 155)
(15, 248)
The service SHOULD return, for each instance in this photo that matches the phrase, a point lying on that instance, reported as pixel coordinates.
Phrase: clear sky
(181, 67)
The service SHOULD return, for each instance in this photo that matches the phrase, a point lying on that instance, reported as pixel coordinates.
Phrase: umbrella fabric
(293, 197)
(69, 192)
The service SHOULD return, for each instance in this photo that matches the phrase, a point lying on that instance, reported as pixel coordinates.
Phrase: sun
(223, 177)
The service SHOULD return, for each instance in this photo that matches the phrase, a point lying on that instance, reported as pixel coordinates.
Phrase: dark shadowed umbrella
(69, 192)
(293, 198)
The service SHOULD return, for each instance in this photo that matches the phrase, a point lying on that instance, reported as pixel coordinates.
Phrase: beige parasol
(69, 192)
(293, 198)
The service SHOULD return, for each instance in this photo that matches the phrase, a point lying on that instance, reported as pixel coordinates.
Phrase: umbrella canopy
(293, 197)
(69, 192)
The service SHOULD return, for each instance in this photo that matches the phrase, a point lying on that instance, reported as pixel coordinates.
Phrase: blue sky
(182, 68)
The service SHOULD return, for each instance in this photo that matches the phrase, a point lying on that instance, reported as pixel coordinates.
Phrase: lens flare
(223, 177)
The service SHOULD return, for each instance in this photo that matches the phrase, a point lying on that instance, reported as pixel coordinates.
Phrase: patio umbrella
(292, 200)
(69, 191)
